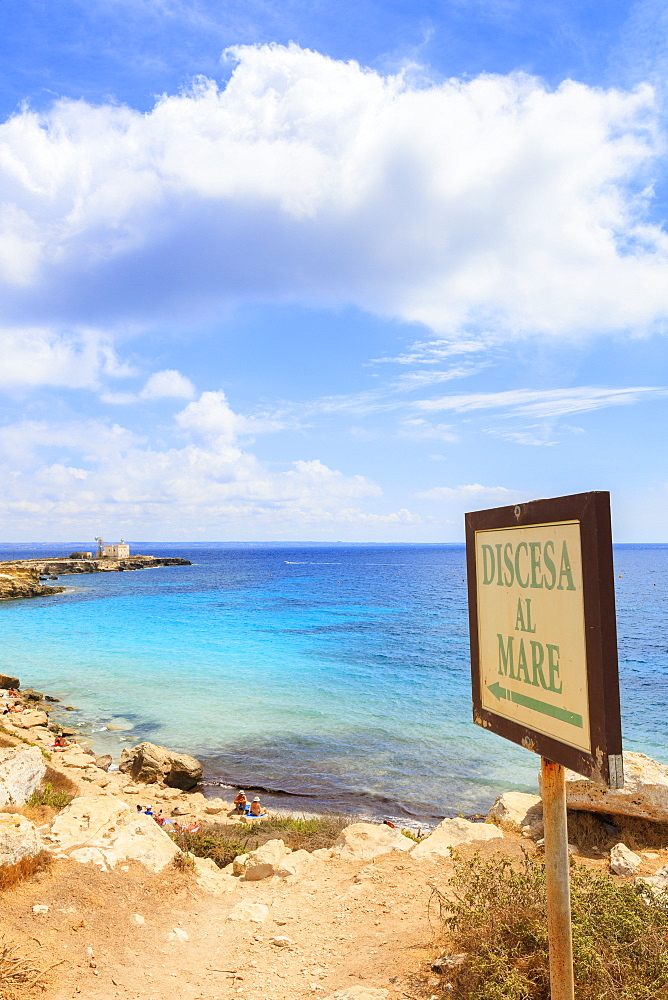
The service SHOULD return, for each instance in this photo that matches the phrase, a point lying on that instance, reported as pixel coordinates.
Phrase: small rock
(656, 882)
(255, 913)
(448, 961)
(40, 908)
(138, 919)
(623, 861)
(650, 855)
(178, 934)
(104, 761)
(281, 941)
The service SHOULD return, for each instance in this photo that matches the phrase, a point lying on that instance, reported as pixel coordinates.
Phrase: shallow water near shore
(332, 677)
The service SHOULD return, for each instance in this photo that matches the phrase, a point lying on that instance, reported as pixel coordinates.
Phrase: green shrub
(212, 842)
(47, 795)
(224, 843)
(497, 917)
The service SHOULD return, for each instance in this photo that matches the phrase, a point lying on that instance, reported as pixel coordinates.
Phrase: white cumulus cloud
(168, 384)
(495, 203)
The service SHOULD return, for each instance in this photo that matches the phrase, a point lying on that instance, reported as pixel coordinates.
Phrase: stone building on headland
(120, 551)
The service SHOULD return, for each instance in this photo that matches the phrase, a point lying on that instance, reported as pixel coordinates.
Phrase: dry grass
(18, 971)
(602, 832)
(12, 874)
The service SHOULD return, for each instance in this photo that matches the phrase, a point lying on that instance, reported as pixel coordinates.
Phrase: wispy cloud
(433, 352)
(473, 491)
(543, 403)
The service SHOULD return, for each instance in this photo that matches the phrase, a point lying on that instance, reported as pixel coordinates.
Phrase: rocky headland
(25, 577)
(125, 910)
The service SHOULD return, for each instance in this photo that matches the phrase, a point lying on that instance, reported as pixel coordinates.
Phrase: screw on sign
(544, 662)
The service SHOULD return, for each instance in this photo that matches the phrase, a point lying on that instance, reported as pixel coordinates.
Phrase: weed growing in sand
(417, 836)
(183, 863)
(497, 917)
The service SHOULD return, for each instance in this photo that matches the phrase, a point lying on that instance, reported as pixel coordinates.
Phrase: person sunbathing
(256, 809)
(61, 742)
(240, 802)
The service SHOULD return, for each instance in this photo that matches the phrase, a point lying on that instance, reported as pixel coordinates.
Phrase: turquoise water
(339, 675)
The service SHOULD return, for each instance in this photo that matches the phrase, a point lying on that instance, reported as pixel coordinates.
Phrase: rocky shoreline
(24, 577)
(132, 907)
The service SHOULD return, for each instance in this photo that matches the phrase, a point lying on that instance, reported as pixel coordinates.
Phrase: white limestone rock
(298, 863)
(105, 823)
(623, 861)
(212, 878)
(90, 855)
(215, 806)
(239, 864)
(19, 839)
(247, 912)
(645, 791)
(263, 862)
(21, 772)
(516, 810)
(451, 833)
(363, 841)
(28, 719)
(656, 883)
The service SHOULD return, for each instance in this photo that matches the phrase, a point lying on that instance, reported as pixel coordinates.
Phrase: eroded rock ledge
(22, 577)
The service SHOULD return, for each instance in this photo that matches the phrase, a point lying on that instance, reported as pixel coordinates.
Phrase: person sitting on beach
(12, 693)
(255, 807)
(240, 802)
(61, 742)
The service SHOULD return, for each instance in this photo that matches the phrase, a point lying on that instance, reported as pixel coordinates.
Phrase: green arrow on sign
(537, 706)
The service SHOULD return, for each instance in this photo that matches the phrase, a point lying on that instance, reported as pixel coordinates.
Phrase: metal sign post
(544, 662)
(557, 881)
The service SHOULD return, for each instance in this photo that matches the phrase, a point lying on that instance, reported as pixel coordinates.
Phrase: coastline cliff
(24, 577)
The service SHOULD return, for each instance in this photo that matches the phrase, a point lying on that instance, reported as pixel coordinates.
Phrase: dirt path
(348, 923)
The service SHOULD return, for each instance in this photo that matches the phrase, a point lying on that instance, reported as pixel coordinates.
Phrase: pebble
(281, 941)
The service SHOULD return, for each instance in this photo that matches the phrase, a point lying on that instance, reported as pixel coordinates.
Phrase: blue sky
(330, 271)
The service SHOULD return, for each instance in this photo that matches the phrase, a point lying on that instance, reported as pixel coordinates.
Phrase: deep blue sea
(338, 675)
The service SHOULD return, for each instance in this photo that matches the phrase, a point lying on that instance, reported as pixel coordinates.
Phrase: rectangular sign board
(543, 631)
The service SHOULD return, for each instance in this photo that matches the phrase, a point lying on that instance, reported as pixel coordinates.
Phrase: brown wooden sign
(543, 630)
